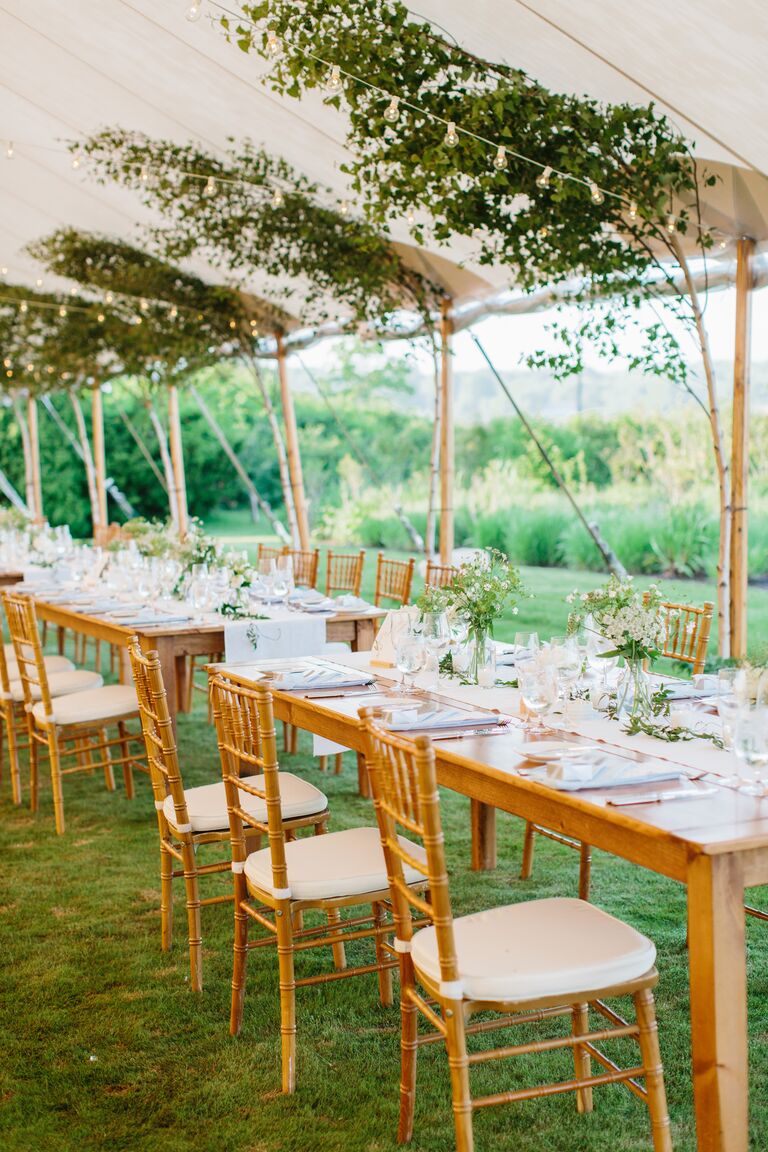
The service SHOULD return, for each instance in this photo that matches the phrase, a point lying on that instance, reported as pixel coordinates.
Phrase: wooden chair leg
(585, 870)
(166, 899)
(13, 758)
(409, 1020)
(581, 1059)
(287, 1001)
(526, 868)
(458, 1064)
(125, 752)
(109, 775)
(194, 926)
(385, 974)
(323, 763)
(654, 1072)
(34, 770)
(338, 763)
(58, 796)
(240, 956)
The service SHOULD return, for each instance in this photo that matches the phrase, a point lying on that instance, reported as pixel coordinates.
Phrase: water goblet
(410, 657)
(750, 742)
(538, 692)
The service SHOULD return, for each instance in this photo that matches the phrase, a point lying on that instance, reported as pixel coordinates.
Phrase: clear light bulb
(410, 216)
(109, 298)
(7, 362)
(277, 198)
(544, 177)
(543, 233)
(38, 283)
(4, 270)
(23, 306)
(143, 304)
(173, 312)
(671, 222)
(62, 311)
(500, 159)
(596, 193)
(633, 209)
(723, 244)
(233, 324)
(334, 80)
(195, 11)
(100, 317)
(76, 161)
(137, 319)
(274, 47)
(451, 135)
(9, 152)
(344, 208)
(210, 187)
(392, 110)
(144, 174)
(30, 367)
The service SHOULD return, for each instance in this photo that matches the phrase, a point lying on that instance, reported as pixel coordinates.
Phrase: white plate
(547, 751)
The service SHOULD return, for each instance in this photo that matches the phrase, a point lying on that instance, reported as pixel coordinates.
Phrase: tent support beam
(179, 493)
(447, 436)
(740, 449)
(34, 461)
(11, 495)
(258, 503)
(86, 455)
(142, 447)
(292, 447)
(99, 455)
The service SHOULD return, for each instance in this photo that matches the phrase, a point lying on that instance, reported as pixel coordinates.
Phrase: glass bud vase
(478, 640)
(633, 692)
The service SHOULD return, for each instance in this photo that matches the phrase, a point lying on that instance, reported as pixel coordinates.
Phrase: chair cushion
(207, 805)
(108, 703)
(52, 664)
(60, 684)
(537, 949)
(348, 863)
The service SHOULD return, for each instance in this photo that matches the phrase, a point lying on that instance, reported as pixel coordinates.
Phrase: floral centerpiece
(479, 593)
(632, 624)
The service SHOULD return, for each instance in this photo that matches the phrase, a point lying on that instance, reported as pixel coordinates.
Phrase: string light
(38, 283)
(100, 317)
(543, 178)
(723, 244)
(195, 11)
(274, 47)
(671, 222)
(9, 150)
(596, 193)
(173, 313)
(451, 138)
(4, 270)
(144, 174)
(23, 306)
(62, 311)
(7, 362)
(392, 111)
(334, 80)
(137, 319)
(277, 198)
(233, 324)
(633, 210)
(410, 216)
(76, 161)
(210, 187)
(543, 232)
(500, 159)
(109, 298)
(344, 208)
(144, 304)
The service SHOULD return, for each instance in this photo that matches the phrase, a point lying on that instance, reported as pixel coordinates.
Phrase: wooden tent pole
(292, 447)
(99, 455)
(85, 453)
(740, 448)
(34, 444)
(177, 461)
(447, 440)
(26, 449)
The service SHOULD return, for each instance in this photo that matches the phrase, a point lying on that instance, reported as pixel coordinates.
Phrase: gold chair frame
(393, 580)
(344, 572)
(405, 793)
(305, 565)
(439, 575)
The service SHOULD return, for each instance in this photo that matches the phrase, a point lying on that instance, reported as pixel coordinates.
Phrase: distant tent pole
(434, 460)
(258, 503)
(11, 494)
(165, 456)
(292, 447)
(740, 449)
(99, 454)
(26, 449)
(86, 455)
(179, 493)
(447, 442)
(34, 461)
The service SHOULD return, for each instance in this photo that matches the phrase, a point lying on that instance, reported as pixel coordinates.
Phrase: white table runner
(284, 633)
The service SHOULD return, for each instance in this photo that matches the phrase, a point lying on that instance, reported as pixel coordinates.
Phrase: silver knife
(658, 797)
(494, 731)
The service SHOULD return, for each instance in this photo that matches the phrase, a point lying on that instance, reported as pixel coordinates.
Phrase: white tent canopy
(71, 69)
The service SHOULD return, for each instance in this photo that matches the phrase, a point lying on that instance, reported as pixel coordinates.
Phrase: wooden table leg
(718, 968)
(483, 819)
(365, 632)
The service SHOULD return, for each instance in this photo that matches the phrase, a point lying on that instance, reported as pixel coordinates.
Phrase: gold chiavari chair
(525, 962)
(267, 552)
(190, 817)
(393, 580)
(686, 638)
(72, 726)
(13, 716)
(276, 885)
(344, 572)
(439, 575)
(304, 566)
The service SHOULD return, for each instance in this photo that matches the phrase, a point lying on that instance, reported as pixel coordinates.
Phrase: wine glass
(436, 632)
(538, 692)
(527, 641)
(750, 742)
(410, 657)
(727, 703)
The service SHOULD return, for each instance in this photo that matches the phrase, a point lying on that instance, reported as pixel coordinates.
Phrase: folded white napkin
(350, 602)
(320, 678)
(602, 770)
(426, 717)
(306, 595)
(321, 605)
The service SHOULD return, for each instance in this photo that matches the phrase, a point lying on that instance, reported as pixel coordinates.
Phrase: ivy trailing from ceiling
(252, 213)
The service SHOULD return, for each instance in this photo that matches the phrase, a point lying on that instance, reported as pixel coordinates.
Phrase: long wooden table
(717, 846)
(174, 643)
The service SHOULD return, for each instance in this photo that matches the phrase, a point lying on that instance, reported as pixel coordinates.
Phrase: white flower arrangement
(630, 620)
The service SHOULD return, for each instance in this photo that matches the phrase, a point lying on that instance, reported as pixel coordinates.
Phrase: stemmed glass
(750, 735)
(538, 689)
(410, 657)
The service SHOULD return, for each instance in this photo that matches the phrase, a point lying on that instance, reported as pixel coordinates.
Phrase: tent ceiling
(72, 68)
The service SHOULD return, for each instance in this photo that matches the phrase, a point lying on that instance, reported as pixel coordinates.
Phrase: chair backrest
(25, 637)
(686, 633)
(266, 552)
(344, 572)
(5, 678)
(304, 566)
(245, 728)
(406, 799)
(393, 580)
(439, 575)
(159, 738)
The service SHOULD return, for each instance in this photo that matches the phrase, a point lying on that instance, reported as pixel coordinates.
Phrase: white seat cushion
(537, 949)
(52, 664)
(348, 863)
(60, 684)
(105, 704)
(207, 805)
